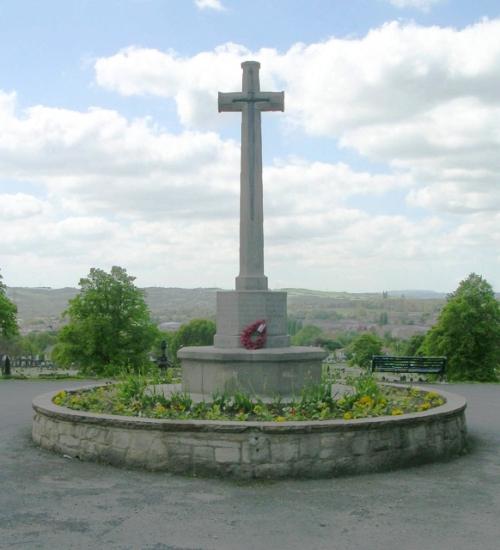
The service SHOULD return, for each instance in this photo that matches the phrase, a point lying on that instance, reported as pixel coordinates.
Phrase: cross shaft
(250, 102)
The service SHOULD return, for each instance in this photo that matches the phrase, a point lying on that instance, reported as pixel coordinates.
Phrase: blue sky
(382, 173)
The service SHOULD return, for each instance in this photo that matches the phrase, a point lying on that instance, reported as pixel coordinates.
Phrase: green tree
(198, 332)
(383, 318)
(294, 325)
(363, 347)
(412, 346)
(109, 324)
(328, 343)
(307, 336)
(8, 313)
(467, 332)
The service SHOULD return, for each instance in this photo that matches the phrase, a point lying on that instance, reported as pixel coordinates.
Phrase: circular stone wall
(254, 449)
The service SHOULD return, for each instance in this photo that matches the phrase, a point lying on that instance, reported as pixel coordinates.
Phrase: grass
(133, 396)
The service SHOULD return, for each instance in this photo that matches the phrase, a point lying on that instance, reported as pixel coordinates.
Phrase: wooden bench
(416, 364)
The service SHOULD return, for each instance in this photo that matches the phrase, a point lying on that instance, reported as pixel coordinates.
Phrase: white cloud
(209, 5)
(422, 99)
(98, 160)
(128, 193)
(20, 205)
(423, 5)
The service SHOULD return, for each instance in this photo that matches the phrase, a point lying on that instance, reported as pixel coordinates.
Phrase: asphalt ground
(47, 501)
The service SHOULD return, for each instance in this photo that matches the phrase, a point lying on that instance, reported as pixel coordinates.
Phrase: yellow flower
(348, 415)
(425, 406)
(431, 395)
(59, 397)
(366, 401)
(119, 408)
(280, 419)
(75, 401)
(159, 409)
(396, 412)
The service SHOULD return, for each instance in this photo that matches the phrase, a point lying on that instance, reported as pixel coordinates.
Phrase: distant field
(403, 313)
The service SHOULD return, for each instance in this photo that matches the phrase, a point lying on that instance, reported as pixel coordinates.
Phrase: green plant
(468, 332)
(8, 312)
(198, 332)
(363, 348)
(307, 336)
(133, 396)
(109, 325)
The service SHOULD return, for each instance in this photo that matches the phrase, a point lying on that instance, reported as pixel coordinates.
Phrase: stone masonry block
(256, 450)
(285, 449)
(228, 454)
(309, 445)
(203, 453)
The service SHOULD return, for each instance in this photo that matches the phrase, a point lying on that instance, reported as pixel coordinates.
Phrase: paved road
(47, 501)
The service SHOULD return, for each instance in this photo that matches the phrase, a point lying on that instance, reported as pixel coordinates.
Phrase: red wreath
(254, 335)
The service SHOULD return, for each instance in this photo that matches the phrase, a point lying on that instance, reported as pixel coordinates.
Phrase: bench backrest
(408, 364)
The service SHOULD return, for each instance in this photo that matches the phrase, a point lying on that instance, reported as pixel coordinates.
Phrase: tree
(109, 324)
(198, 332)
(383, 318)
(363, 347)
(327, 343)
(294, 325)
(413, 345)
(307, 336)
(467, 332)
(8, 313)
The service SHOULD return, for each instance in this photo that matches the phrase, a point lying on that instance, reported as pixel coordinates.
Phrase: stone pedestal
(276, 369)
(240, 308)
(265, 372)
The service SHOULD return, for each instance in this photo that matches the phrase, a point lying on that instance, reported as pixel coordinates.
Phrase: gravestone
(278, 368)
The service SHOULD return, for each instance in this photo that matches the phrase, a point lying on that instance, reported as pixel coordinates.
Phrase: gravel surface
(47, 501)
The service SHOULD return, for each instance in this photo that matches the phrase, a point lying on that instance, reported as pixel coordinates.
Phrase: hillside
(402, 313)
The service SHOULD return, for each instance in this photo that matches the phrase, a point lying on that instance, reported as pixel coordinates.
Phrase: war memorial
(252, 354)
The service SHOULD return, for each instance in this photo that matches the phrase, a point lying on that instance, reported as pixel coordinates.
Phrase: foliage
(307, 336)
(130, 397)
(29, 345)
(8, 312)
(198, 332)
(109, 325)
(293, 325)
(468, 332)
(383, 318)
(412, 346)
(345, 337)
(328, 343)
(363, 347)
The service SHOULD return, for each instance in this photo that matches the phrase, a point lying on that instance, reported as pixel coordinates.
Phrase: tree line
(109, 327)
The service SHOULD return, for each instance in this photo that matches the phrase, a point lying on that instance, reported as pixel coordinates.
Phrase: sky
(383, 172)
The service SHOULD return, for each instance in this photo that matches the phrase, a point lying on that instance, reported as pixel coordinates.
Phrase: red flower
(254, 336)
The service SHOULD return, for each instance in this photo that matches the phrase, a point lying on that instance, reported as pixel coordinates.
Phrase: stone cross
(251, 101)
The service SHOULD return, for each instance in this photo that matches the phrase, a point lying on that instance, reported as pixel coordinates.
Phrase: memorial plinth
(278, 368)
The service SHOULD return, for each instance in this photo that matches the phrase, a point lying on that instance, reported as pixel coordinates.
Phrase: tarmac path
(47, 501)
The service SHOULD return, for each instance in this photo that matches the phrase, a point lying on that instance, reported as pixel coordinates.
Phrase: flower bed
(131, 397)
(253, 449)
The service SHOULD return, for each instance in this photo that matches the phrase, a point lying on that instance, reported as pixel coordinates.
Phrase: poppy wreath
(254, 336)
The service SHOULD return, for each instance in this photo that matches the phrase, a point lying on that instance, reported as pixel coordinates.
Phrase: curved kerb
(324, 448)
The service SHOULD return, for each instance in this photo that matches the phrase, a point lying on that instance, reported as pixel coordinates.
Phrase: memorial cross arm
(264, 101)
